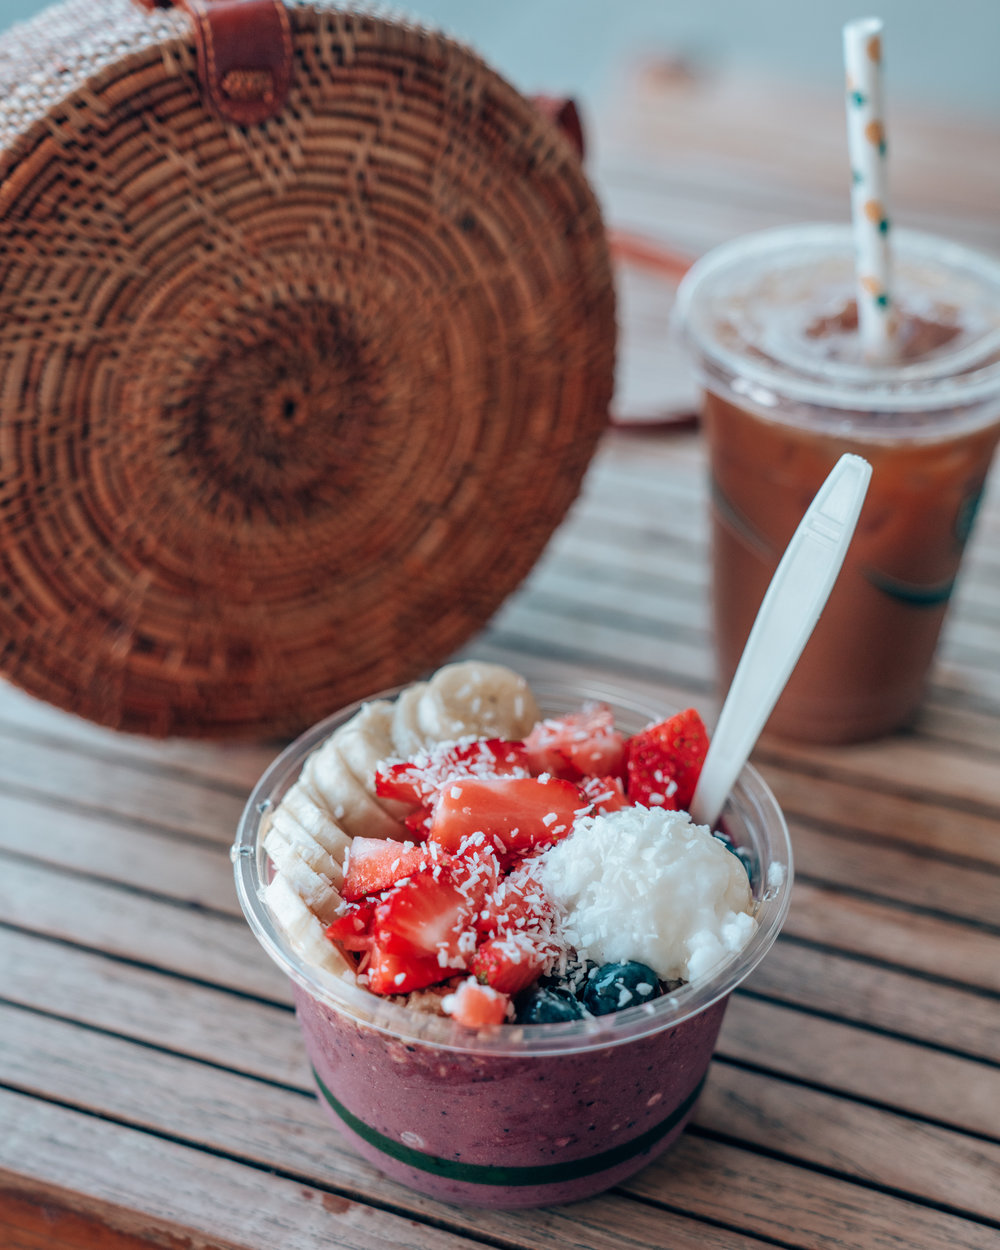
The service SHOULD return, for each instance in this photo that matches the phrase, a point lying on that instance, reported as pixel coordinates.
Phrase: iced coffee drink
(772, 322)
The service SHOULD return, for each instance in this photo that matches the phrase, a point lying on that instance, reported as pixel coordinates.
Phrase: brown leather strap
(244, 55)
(563, 111)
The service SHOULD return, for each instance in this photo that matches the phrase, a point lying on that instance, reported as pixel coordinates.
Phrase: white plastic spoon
(791, 607)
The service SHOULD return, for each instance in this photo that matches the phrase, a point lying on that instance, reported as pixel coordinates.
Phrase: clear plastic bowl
(514, 1115)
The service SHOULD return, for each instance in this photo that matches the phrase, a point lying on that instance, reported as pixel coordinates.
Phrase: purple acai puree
(429, 1116)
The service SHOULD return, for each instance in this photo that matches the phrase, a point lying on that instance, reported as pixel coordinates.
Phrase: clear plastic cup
(514, 1116)
(786, 393)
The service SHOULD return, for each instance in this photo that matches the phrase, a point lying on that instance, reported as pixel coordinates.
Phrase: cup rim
(918, 387)
(751, 796)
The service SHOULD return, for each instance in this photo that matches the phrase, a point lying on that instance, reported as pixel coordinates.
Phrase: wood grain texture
(27, 1224)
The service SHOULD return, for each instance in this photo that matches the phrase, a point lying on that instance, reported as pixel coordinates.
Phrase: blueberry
(615, 986)
(570, 978)
(547, 1006)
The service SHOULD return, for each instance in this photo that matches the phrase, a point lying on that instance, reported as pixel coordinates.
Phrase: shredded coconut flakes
(647, 884)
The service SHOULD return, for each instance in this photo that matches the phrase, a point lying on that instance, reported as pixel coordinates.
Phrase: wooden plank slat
(170, 1013)
(882, 998)
(717, 128)
(235, 764)
(649, 609)
(892, 1152)
(900, 1076)
(913, 879)
(144, 859)
(633, 560)
(541, 631)
(142, 796)
(207, 947)
(890, 818)
(949, 950)
(795, 1208)
(958, 725)
(900, 765)
(28, 1225)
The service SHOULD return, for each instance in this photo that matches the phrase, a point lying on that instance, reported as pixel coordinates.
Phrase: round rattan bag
(287, 407)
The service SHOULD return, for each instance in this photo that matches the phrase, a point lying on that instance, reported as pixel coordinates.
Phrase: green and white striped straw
(869, 187)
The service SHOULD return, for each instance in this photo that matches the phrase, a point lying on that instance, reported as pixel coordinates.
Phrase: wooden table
(153, 1090)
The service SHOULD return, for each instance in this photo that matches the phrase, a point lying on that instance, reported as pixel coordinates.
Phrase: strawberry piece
(509, 964)
(476, 1005)
(518, 903)
(427, 915)
(419, 780)
(606, 793)
(375, 864)
(352, 930)
(580, 744)
(475, 870)
(664, 761)
(392, 971)
(419, 823)
(515, 813)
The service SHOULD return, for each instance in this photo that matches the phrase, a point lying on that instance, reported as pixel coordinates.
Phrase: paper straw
(869, 184)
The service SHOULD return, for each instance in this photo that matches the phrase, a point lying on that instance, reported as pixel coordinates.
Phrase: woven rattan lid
(286, 411)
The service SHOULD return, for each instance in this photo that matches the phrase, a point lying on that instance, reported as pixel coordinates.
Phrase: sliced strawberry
(580, 744)
(418, 822)
(664, 761)
(606, 793)
(509, 964)
(475, 870)
(476, 1005)
(419, 780)
(517, 904)
(398, 972)
(375, 864)
(516, 813)
(352, 930)
(427, 915)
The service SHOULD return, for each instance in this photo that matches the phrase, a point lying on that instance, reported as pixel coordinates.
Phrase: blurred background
(705, 120)
(940, 54)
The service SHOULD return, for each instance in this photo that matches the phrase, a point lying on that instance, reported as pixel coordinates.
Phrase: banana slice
(408, 736)
(300, 806)
(473, 697)
(315, 890)
(286, 828)
(364, 742)
(328, 779)
(304, 931)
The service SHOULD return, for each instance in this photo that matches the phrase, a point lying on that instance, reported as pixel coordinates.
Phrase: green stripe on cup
(912, 593)
(486, 1174)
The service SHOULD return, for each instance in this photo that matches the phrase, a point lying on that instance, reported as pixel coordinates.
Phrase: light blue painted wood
(938, 52)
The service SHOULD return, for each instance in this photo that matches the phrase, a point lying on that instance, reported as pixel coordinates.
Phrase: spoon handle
(794, 600)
